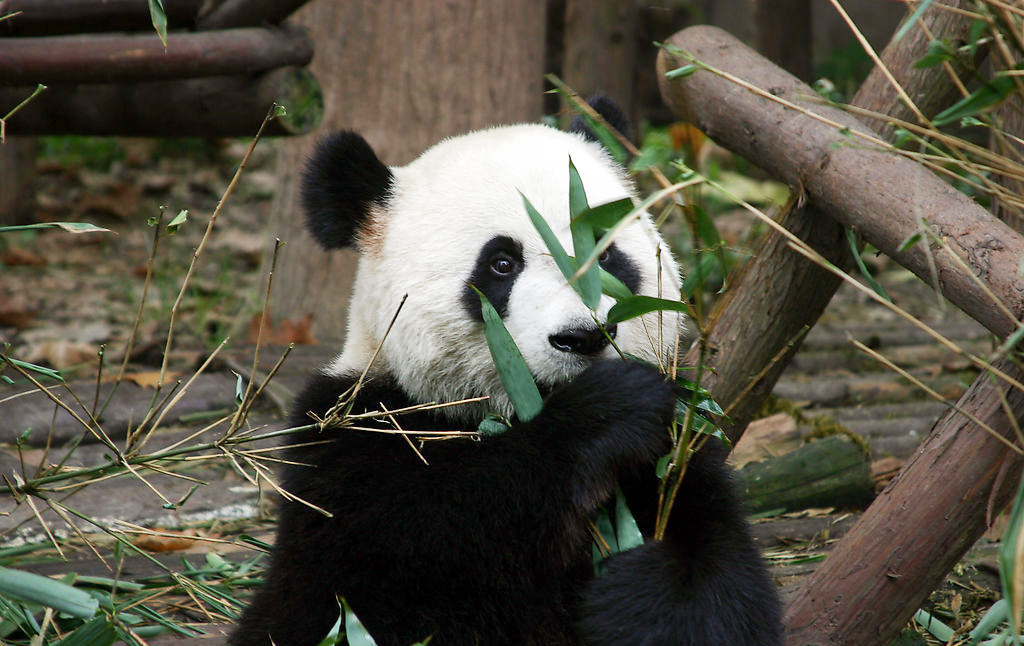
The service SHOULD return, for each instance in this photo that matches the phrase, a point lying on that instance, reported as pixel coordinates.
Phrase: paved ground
(828, 378)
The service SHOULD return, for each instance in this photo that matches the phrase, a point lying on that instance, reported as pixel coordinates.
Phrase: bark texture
(405, 75)
(218, 106)
(880, 195)
(112, 58)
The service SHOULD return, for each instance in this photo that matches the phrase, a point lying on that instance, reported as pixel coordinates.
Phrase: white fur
(444, 207)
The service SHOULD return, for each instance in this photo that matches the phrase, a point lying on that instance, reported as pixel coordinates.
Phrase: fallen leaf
(150, 378)
(62, 353)
(167, 541)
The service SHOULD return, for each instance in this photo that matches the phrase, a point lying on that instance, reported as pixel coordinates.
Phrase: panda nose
(582, 341)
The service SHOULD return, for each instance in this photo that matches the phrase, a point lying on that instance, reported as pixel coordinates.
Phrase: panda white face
(454, 217)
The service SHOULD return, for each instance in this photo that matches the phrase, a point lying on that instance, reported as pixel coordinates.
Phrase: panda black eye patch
(497, 265)
(622, 267)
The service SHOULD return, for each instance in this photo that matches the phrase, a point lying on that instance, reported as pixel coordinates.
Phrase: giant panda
(486, 541)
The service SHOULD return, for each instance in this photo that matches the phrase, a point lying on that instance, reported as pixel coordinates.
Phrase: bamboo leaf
(355, 633)
(681, 72)
(705, 263)
(512, 369)
(565, 264)
(177, 222)
(33, 588)
(627, 532)
(986, 96)
(583, 239)
(70, 227)
(605, 216)
(97, 632)
(159, 18)
(614, 287)
(1011, 563)
(851, 238)
(635, 306)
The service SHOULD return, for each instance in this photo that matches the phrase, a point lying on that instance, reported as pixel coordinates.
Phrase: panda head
(454, 218)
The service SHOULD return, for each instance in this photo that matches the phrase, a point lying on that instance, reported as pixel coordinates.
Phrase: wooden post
(17, 180)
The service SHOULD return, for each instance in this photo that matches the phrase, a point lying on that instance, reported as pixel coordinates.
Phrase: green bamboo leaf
(706, 230)
(512, 369)
(988, 95)
(355, 632)
(607, 139)
(96, 632)
(565, 264)
(911, 240)
(583, 239)
(851, 238)
(70, 227)
(681, 72)
(614, 287)
(177, 222)
(938, 53)
(705, 263)
(159, 18)
(912, 20)
(1011, 562)
(988, 623)
(33, 588)
(627, 532)
(635, 306)
(607, 215)
(603, 524)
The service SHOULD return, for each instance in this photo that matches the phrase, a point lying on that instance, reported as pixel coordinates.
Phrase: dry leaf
(146, 379)
(62, 353)
(168, 541)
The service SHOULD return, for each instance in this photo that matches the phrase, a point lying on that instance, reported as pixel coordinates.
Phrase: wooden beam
(249, 13)
(876, 192)
(52, 17)
(218, 106)
(110, 58)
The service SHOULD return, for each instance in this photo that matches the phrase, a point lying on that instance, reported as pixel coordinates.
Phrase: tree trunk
(17, 179)
(877, 193)
(405, 75)
(600, 50)
(783, 31)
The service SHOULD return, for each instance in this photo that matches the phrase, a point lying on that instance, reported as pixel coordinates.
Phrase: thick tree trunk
(875, 192)
(17, 180)
(127, 58)
(600, 50)
(219, 106)
(403, 74)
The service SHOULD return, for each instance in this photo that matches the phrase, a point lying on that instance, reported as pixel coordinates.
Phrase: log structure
(224, 64)
(967, 469)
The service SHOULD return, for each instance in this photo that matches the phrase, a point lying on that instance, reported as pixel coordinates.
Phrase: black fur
(619, 265)
(609, 111)
(342, 179)
(495, 285)
(489, 544)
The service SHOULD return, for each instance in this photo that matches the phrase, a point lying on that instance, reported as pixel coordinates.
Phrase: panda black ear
(341, 181)
(609, 111)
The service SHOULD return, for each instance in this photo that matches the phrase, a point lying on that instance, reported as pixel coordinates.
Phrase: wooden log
(916, 530)
(249, 13)
(52, 17)
(877, 193)
(832, 472)
(232, 106)
(18, 179)
(119, 58)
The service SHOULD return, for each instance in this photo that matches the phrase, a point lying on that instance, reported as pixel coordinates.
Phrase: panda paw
(619, 410)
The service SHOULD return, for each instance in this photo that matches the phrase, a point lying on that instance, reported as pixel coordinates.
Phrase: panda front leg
(704, 584)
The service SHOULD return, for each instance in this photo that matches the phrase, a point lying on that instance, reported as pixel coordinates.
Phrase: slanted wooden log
(249, 13)
(756, 327)
(877, 193)
(52, 17)
(831, 472)
(108, 58)
(232, 106)
(916, 530)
